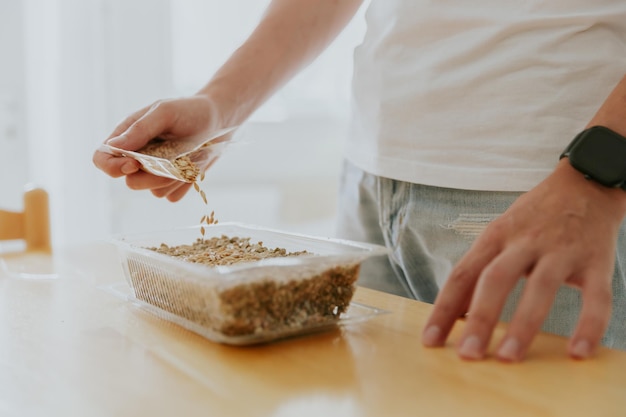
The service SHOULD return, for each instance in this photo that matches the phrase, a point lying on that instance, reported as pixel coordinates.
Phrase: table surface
(71, 344)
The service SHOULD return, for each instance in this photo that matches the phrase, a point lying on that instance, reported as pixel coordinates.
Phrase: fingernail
(509, 350)
(431, 336)
(582, 349)
(116, 140)
(470, 348)
(129, 168)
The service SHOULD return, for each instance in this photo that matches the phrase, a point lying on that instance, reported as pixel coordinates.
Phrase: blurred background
(72, 69)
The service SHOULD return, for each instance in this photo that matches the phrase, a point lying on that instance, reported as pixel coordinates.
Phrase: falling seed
(206, 219)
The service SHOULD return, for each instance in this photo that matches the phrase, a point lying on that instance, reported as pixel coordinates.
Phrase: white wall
(13, 146)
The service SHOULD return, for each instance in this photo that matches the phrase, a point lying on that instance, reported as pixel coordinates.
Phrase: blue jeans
(428, 229)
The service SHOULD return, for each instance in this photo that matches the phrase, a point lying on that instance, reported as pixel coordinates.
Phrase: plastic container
(249, 302)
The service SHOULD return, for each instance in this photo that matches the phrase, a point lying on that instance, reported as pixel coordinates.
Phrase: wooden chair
(31, 225)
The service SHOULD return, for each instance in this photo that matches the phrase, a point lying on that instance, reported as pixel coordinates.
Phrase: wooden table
(69, 345)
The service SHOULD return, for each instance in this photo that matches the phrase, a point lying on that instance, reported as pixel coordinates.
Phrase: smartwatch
(600, 155)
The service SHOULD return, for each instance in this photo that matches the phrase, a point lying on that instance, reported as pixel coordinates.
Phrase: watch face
(600, 154)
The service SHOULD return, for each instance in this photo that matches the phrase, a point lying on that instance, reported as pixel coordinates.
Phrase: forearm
(289, 36)
(612, 113)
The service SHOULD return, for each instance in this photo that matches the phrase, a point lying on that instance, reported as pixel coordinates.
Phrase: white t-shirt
(482, 94)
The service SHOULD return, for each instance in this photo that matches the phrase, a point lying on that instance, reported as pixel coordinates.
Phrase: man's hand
(563, 231)
(167, 119)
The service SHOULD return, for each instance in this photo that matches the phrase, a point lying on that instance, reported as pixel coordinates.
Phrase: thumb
(140, 132)
(122, 142)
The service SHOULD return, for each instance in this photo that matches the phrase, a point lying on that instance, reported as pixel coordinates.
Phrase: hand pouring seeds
(179, 159)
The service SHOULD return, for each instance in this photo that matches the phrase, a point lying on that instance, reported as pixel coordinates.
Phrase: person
(461, 111)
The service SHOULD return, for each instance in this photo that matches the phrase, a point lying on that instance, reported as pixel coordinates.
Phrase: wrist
(218, 109)
(613, 198)
(229, 104)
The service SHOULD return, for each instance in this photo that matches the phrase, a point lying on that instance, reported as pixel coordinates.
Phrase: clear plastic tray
(356, 312)
(251, 302)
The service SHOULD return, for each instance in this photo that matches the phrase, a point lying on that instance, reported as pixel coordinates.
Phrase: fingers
(456, 294)
(494, 285)
(489, 291)
(178, 192)
(142, 127)
(142, 180)
(115, 166)
(537, 298)
(128, 121)
(136, 179)
(160, 187)
(594, 316)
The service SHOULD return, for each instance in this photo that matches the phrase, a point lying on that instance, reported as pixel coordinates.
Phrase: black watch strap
(578, 138)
